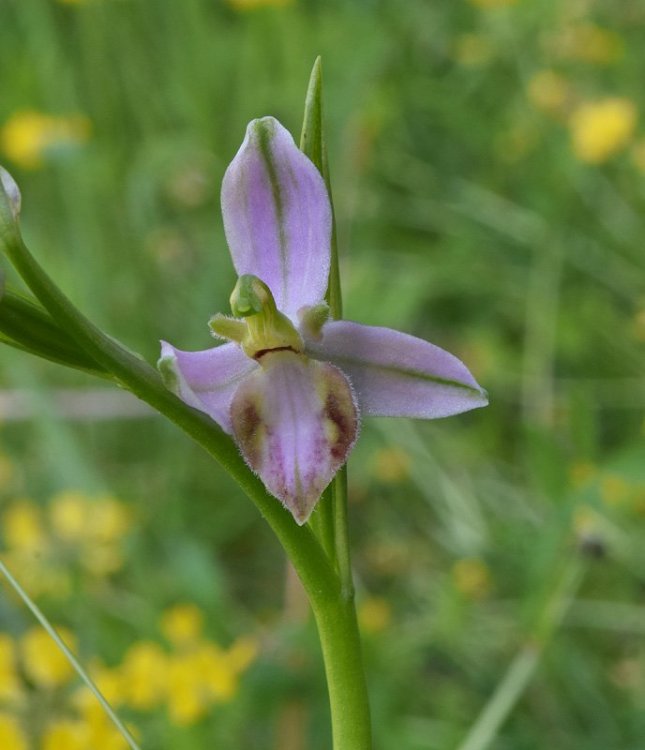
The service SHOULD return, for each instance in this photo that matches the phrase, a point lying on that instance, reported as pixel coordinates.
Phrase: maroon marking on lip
(262, 352)
(346, 427)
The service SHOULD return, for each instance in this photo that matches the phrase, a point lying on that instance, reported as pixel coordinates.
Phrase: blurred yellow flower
(614, 489)
(101, 559)
(187, 690)
(69, 514)
(602, 128)
(22, 527)
(65, 734)
(392, 465)
(252, 4)
(96, 525)
(581, 472)
(472, 49)
(110, 519)
(12, 736)
(471, 577)
(374, 614)
(588, 43)
(548, 91)
(103, 735)
(10, 687)
(77, 516)
(44, 662)
(145, 675)
(486, 4)
(27, 135)
(182, 624)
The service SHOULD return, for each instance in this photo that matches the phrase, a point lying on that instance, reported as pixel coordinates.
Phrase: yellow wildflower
(44, 662)
(103, 735)
(11, 734)
(69, 514)
(548, 91)
(471, 577)
(187, 689)
(182, 624)
(109, 520)
(374, 614)
(222, 668)
(22, 527)
(614, 489)
(472, 49)
(392, 465)
(101, 558)
(252, 4)
(601, 129)
(10, 687)
(26, 136)
(110, 683)
(589, 43)
(581, 473)
(65, 734)
(144, 671)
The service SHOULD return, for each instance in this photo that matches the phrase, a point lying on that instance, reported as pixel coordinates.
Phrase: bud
(12, 191)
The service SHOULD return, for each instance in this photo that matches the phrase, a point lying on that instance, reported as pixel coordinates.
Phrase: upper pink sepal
(295, 421)
(277, 216)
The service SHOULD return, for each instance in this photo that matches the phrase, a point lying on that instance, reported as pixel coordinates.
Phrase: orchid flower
(291, 385)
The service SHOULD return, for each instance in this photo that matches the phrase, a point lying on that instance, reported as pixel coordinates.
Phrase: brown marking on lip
(247, 425)
(340, 411)
(262, 352)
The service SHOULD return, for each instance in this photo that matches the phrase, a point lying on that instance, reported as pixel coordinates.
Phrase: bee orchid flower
(292, 385)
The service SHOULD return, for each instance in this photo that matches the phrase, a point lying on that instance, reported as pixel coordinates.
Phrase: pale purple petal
(295, 421)
(277, 216)
(397, 375)
(206, 380)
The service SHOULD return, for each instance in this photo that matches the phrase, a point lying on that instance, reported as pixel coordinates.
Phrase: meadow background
(488, 167)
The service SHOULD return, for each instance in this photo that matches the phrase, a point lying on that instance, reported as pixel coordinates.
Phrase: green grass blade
(39, 615)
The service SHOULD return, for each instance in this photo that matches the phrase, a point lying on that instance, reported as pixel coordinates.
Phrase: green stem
(312, 143)
(341, 648)
(336, 620)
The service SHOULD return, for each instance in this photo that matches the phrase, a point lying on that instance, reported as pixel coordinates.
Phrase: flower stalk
(339, 634)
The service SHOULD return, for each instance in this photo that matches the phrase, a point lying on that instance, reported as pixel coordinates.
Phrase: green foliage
(480, 206)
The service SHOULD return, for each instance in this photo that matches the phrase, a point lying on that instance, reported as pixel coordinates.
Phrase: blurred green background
(488, 167)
